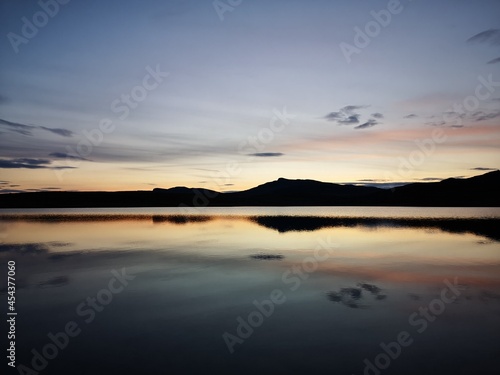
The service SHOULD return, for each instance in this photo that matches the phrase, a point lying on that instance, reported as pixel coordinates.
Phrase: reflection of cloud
(414, 297)
(54, 282)
(28, 248)
(267, 256)
(62, 256)
(347, 296)
(488, 296)
(181, 219)
(267, 154)
(373, 289)
(352, 296)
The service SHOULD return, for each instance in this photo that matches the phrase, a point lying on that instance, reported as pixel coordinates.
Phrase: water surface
(345, 281)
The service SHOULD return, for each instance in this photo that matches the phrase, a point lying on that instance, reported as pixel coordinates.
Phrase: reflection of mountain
(481, 227)
(480, 191)
(181, 219)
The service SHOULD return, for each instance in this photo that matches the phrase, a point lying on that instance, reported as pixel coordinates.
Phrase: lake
(260, 290)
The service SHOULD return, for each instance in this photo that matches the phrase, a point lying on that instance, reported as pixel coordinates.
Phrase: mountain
(480, 191)
(284, 192)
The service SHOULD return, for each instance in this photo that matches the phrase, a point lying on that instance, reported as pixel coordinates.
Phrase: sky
(230, 94)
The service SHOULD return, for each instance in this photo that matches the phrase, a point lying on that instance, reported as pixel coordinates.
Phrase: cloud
(456, 120)
(491, 36)
(494, 61)
(347, 115)
(63, 155)
(28, 163)
(481, 116)
(436, 123)
(58, 131)
(9, 191)
(411, 115)
(348, 109)
(353, 119)
(334, 116)
(18, 128)
(28, 129)
(377, 115)
(368, 124)
(267, 154)
(431, 179)
(483, 169)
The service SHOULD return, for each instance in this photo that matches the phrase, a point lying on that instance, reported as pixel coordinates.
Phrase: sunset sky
(131, 95)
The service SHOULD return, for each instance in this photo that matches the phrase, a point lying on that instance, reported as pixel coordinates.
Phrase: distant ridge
(478, 191)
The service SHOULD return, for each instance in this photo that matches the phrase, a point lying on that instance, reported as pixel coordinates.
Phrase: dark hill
(480, 191)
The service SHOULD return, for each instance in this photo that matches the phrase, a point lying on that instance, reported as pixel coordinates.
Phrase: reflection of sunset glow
(394, 255)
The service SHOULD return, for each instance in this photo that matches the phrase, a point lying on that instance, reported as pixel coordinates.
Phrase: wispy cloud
(491, 36)
(349, 115)
(411, 115)
(17, 128)
(494, 61)
(58, 131)
(351, 108)
(27, 130)
(484, 169)
(430, 179)
(334, 116)
(353, 119)
(28, 163)
(370, 123)
(481, 116)
(267, 154)
(63, 155)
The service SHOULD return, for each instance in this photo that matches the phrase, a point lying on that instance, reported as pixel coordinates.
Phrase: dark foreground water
(253, 291)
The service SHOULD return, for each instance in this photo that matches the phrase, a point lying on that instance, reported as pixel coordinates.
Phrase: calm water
(338, 290)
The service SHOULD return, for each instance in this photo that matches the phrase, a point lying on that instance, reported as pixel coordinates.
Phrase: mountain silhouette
(478, 191)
